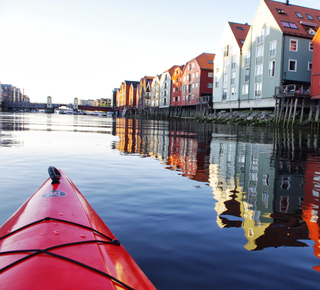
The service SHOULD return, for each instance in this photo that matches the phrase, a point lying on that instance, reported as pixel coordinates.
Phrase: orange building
(124, 93)
(132, 94)
(176, 90)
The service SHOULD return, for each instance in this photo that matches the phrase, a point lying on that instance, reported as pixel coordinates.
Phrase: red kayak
(57, 241)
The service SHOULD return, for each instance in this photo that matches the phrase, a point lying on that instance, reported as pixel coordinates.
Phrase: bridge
(14, 106)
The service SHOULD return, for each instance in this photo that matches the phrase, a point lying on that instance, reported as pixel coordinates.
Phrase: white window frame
(272, 68)
(259, 51)
(259, 86)
(210, 75)
(310, 46)
(259, 70)
(273, 48)
(247, 59)
(297, 44)
(245, 89)
(296, 64)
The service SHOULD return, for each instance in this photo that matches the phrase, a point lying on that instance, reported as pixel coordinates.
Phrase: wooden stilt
(311, 111)
(286, 113)
(295, 110)
(317, 112)
(290, 111)
(302, 111)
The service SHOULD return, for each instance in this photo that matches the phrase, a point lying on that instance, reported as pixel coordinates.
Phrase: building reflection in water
(268, 186)
(311, 202)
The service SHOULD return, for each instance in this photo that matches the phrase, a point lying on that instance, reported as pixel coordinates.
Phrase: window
(225, 78)
(233, 63)
(260, 36)
(272, 66)
(310, 46)
(174, 90)
(224, 94)
(259, 51)
(226, 51)
(292, 65)
(309, 66)
(293, 45)
(210, 85)
(259, 69)
(273, 46)
(210, 75)
(233, 91)
(178, 98)
(197, 74)
(299, 14)
(309, 17)
(245, 89)
(289, 25)
(196, 85)
(239, 27)
(233, 78)
(258, 89)
(246, 74)
(247, 60)
(217, 84)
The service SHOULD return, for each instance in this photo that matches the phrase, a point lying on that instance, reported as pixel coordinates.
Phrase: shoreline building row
(10, 93)
(255, 64)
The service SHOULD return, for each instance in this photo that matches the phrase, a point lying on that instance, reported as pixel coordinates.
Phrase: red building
(197, 79)
(315, 77)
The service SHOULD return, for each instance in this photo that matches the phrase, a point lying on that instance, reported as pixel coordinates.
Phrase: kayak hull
(57, 241)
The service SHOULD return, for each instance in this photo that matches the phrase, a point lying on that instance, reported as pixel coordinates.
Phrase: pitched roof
(171, 70)
(239, 31)
(134, 83)
(204, 60)
(294, 19)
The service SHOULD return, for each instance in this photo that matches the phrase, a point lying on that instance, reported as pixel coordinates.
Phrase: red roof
(204, 60)
(294, 19)
(239, 31)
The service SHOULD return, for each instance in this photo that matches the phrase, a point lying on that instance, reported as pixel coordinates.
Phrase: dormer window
(299, 14)
(309, 17)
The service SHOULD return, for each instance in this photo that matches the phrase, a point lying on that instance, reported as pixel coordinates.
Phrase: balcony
(292, 90)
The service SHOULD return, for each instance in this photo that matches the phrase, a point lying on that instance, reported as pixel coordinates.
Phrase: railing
(292, 90)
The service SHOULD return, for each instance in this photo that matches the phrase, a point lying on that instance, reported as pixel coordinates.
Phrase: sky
(86, 48)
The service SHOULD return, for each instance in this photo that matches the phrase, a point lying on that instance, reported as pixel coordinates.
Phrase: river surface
(198, 206)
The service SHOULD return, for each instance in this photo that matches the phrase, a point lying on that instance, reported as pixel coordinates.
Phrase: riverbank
(251, 118)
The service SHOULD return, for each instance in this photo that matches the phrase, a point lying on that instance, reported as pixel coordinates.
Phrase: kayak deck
(57, 241)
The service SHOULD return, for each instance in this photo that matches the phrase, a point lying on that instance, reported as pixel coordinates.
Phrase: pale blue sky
(84, 49)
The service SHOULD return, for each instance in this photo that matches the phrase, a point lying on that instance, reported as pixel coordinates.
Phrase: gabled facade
(176, 87)
(227, 69)
(165, 87)
(277, 51)
(124, 93)
(197, 79)
(132, 94)
(315, 79)
(155, 92)
(143, 95)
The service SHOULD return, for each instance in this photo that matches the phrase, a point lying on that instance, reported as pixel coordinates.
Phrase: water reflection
(262, 180)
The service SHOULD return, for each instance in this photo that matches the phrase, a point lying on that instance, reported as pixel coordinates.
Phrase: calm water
(197, 206)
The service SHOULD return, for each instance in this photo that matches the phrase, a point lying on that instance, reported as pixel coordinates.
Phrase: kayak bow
(55, 240)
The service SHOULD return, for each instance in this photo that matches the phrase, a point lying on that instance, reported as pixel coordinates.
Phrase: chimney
(287, 3)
